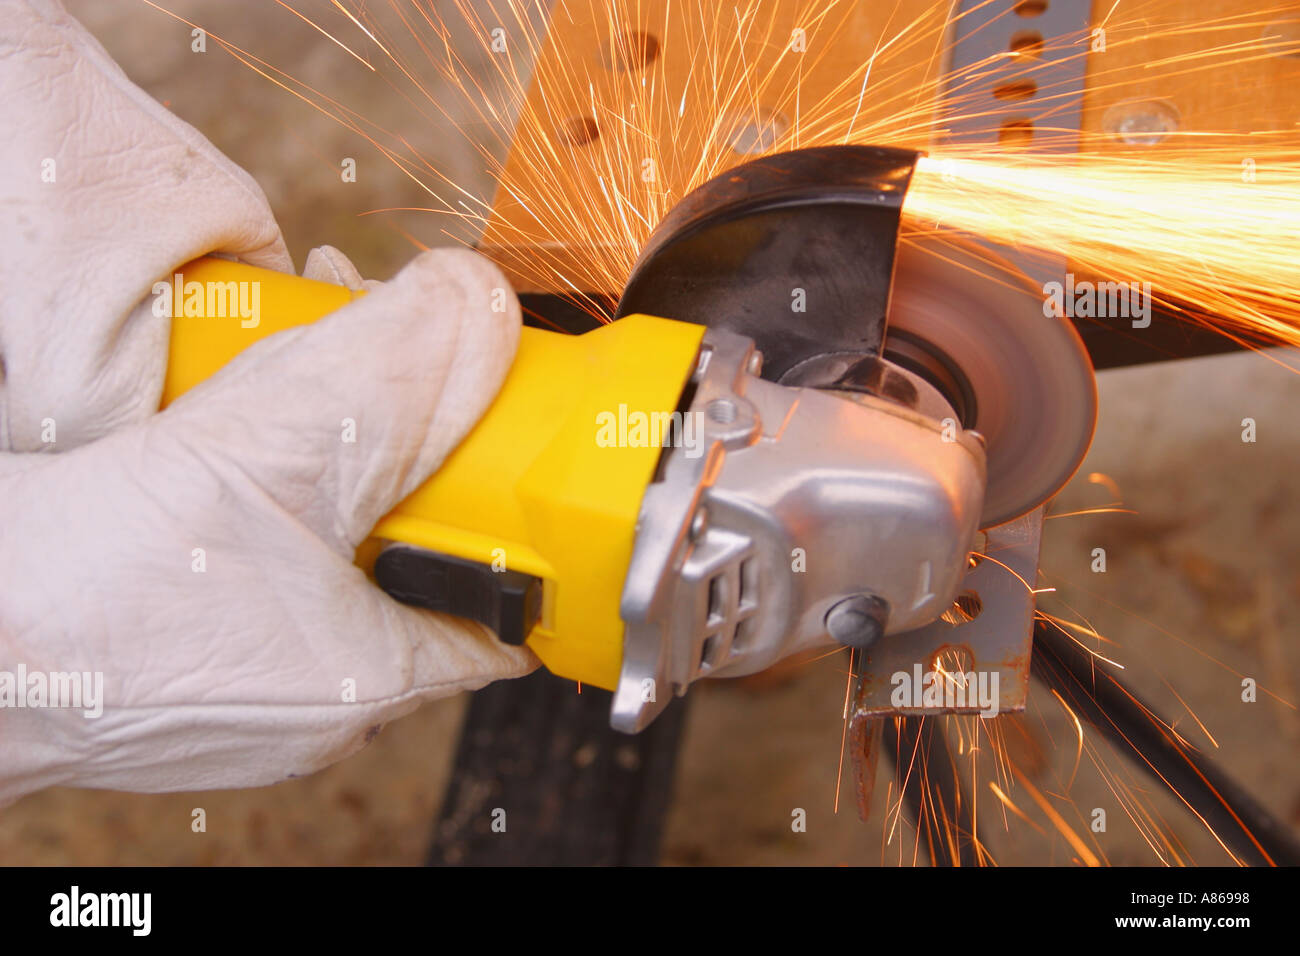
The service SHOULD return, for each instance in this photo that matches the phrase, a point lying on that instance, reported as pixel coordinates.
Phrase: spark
(1191, 713)
(1107, 482)
(1075, 841)
(1010, 805)
(1181, 214)
(1067, 626)
(360, 26)
(1078, 727)
(329, 36)
(1091, 511)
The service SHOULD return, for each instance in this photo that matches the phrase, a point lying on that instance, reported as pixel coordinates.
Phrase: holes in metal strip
(579, 130)
(1017, 131)
(1027, 44)
(953, 659)
(630, 51)
(965, 609)
(1016, 90)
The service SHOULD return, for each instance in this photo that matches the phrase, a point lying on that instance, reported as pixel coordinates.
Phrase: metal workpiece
(795, 500)
(974, 660)
(987, 635)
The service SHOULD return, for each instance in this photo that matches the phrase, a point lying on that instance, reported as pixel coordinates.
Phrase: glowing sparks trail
(603, 142)
(1211, 220)
(1207, 241)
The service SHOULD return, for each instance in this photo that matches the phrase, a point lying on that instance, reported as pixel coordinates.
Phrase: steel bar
(540, 779)
(927, 777)
(573, 791)
(1097, 696)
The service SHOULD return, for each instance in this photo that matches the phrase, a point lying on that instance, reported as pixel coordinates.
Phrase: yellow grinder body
(530, 489)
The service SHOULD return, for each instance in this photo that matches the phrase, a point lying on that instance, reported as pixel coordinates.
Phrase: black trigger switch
(507, 602)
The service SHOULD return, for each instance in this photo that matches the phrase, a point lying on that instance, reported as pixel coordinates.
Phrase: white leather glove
(279, 657)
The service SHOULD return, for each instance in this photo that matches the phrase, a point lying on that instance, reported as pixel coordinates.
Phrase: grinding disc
(974, 326)
(823, 223)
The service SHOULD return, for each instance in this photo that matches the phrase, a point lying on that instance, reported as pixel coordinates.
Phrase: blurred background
(1202, 584)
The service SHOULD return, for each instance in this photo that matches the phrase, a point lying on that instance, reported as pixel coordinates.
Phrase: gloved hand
(201, 558)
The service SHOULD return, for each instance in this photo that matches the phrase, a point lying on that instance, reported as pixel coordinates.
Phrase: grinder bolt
(858, 621)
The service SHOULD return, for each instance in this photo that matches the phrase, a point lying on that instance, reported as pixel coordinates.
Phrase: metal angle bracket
(998, 594)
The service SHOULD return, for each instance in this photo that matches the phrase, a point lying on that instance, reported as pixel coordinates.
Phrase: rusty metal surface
(997, 641)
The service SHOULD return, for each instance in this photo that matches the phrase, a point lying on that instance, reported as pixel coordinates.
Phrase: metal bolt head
(1141, 123)
(858, 621)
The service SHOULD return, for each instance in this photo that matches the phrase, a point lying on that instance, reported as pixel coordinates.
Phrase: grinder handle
(528, 525)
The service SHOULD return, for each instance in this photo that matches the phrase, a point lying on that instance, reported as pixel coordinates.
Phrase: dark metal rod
(540, 778)
(1097, 696)
(927, 774)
